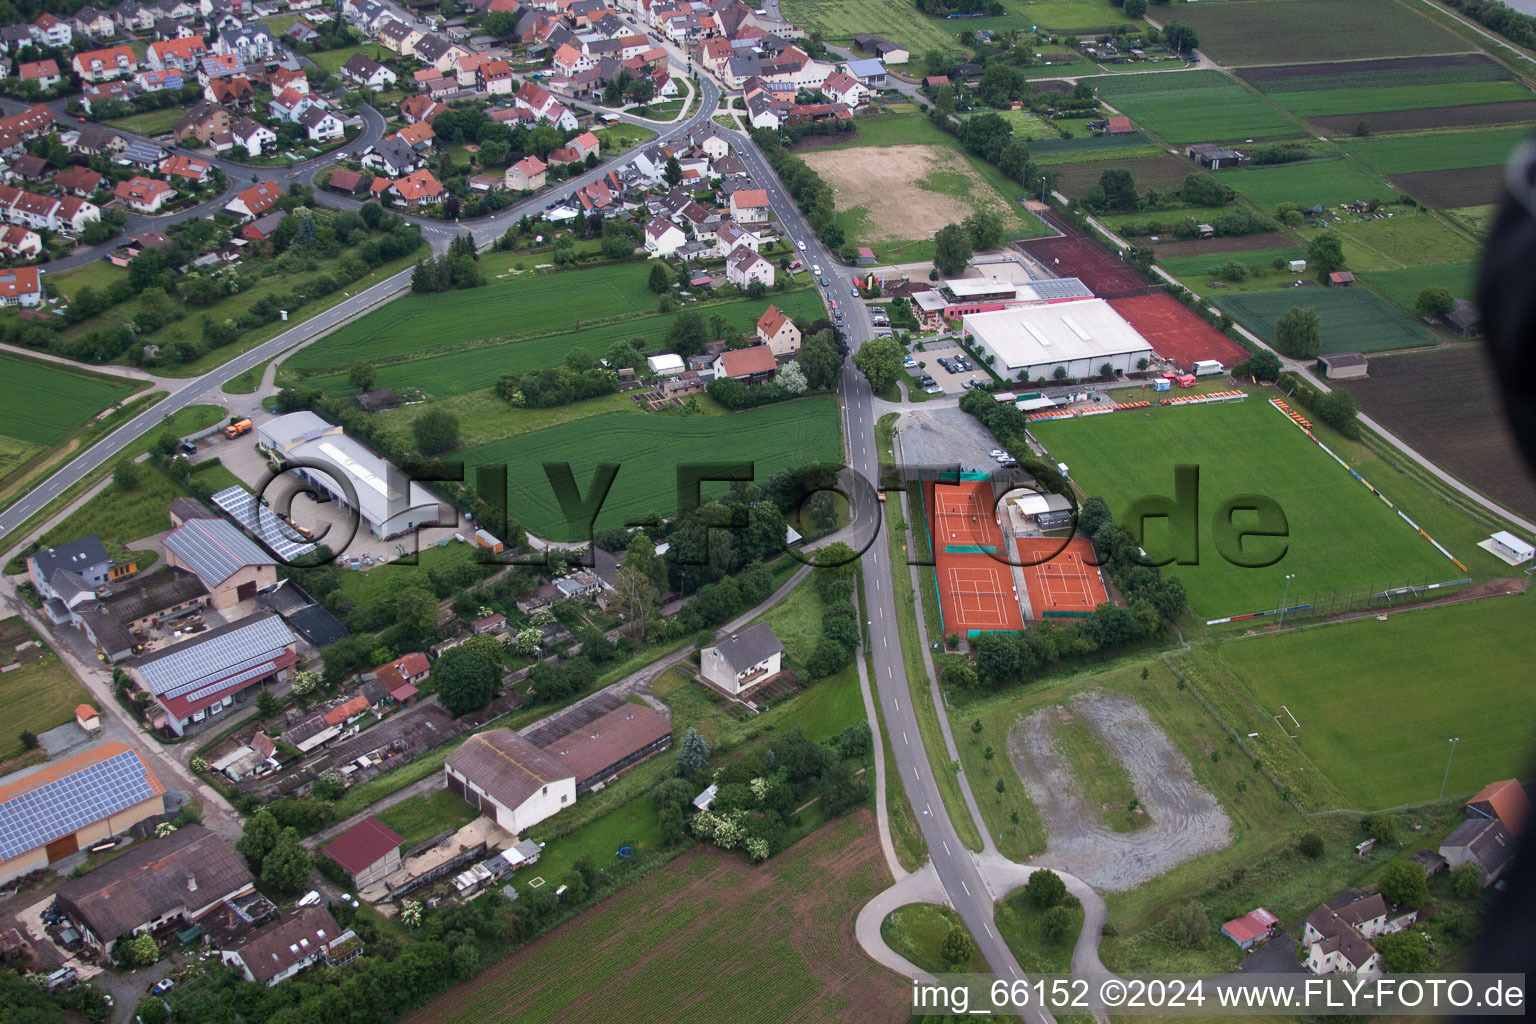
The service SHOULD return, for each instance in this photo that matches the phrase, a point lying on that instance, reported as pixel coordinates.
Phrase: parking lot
(952, 383)
(944, 437)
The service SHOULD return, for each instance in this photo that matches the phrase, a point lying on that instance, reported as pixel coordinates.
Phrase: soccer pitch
(1341, 537)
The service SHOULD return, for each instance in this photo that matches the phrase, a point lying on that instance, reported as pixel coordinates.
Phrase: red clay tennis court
(975, 583)
(1061, 577)
(1105, 274)
(965, 514)
(1176, 332)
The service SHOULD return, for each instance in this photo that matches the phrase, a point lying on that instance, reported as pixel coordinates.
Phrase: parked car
(997, 453)
(934, 390)
(823, 281)
(909, 362)
(853, 290)
(162, 986)
(976, 385)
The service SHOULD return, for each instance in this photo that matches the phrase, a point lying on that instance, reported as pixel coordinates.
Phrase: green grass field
(98, 275)
(1200, 268)
(1330, 182)
(419, 818)
(1340, 535)
(1407, 239)
(1353, 319)
(1195, 106)
(37, 696)
(332, 60)
(1444, 151)
(1410, 677)
(649, 451)
(1403, 286)
(49, 401)
(150, 122)
(1382, 75)
(1093, 147)
(1239, 32)
(917, 932)
(1402, 97)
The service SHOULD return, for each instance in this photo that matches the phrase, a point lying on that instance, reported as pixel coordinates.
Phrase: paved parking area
(944, 437)
(952, 383)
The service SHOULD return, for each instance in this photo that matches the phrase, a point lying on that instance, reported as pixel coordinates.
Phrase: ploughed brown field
(1472, 115)
(1449, 190)
(1443, 403)
(1230, 243)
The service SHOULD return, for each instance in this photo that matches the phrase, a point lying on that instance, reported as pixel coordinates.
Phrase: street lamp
(1285, 600)
(834, 208)
(1454, 740)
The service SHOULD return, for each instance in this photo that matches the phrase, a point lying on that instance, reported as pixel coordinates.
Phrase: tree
(1044, 889)
(1298, 333)
(1380, 828)
(1264, 365)
(976, 729)
(673, 173)
(819, 360)
(436, 431)
(285, 870)
(953, 252)
(1467, 881)
(1402, 884)
(1311, 845)
(330, 785)
(28, 740)
(1135, 8)
(465, 680)
(266, 704)
(792, 378)
(1057, 922)
(1325, 254)
(1405, 952)
(260, 836)
(1337, 409)
(660, 281)
(693, 752)
(958, 947)
(1119, 189)
(1434, 301)
(879, 360)
(1180, 37)
(360, 376)
(139, 951)
(985, 230)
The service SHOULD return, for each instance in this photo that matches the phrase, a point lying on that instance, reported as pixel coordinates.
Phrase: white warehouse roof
(1061, 332)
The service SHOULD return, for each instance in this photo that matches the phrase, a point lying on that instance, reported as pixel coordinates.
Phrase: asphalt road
(207, 388)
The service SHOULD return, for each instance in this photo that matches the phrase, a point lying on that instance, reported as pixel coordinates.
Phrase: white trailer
(1208, 368)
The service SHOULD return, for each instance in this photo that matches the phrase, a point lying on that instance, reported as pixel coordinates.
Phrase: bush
(1045, 889)
(1311, 845)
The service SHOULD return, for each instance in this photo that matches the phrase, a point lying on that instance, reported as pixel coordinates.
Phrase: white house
(321, 125)
(506, 777)
(368, 73)
(743, 660)
(841, 87)
(750, 206)
(1338, 940)
(20, 286)
(663, 238)
(744, 267)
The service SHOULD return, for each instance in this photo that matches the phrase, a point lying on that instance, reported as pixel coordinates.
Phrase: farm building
(110, 621)
(507, 778)
(86, 558)
(389, 502)
(1342, 365)
(665, 365)
(1077, 338)
(368, 850)
(1464, 318)
(165, 882)
(401, 677)
(1252, 928)
(202, 677)
(751, 365)
(1481, 841)
(65, 807)
(610, 744)
(1503, 801)
(887, 51)
(1341, 279)
(282, 949)
(227, 562)
(743, 660)
(1214, 157)
(870, 72)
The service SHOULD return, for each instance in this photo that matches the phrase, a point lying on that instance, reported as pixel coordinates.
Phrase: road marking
(929, 806)
(897, 703)
(904, 738)
(988, 928)
(888, 674)
(918, 776)
(965, 887)
(946, 849)
(885, 640)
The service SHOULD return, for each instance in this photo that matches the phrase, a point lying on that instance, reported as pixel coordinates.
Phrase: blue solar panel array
(39, 816)
(214, 549)
(1061, 288)
(198, 667)
(278, 536)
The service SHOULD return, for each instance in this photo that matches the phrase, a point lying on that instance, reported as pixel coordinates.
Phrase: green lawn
(1353, 319)
(1196, 270)
(99, 275)
(1238, 32)
(1340, 535)
(649, 452)
(37, 696)
(1382, 740)
(917, 932)
(1443, 151)
(1407, 239)
(1195, 106)
(419, 818)
(1023, 928)
(1403, 286)
(1330, 182)
(49, 401)
(1403, 97)
(332, 60)
(151, 122)
(896, 20)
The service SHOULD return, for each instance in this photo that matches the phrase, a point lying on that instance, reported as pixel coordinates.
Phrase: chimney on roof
(191, 883)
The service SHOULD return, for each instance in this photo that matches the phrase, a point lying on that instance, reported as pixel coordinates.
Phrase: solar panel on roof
(41, 815)
(214, 549)
(195, 668)
(243, 508)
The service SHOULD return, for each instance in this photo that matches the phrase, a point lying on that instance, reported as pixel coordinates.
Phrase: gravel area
(944, 436)
(1186, 819)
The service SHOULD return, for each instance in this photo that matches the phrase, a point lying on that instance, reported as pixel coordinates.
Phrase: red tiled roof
(1508, 802)
(342, 712)
(1250, 926)
(363, 845)
(744, 362)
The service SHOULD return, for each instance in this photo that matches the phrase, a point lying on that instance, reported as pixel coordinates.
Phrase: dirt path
(1186, 819)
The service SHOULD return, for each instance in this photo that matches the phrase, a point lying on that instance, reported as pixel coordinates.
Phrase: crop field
(1249, 32)
(1052, 152)
(46, 402)
(1159, 172)
(648, 451)
(1443, 404)
(1442, 152)
(1340, 535)
(1409, 677)
(1457, 189)
(1305, 183)
(1353, 319)
(1394, 243)
(897, 20)
(1403, 286)
(668, 947)
(1425, 118)
(1400, 97)
(1027, 125)
(1371, 74)
(1195, 106)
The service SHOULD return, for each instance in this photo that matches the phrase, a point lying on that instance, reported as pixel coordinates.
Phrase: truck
(1209, 368)
(237, 428)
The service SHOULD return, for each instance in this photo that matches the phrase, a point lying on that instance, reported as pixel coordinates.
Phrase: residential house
(219, 65)
(1503, 801)
(321, 125)
(663, 238)
(730, 236)
(251, 203)
(418, 136)
(1337, 938)
(744, 268)
(401, 678)
(503, 775)
(20, 286)
(184, 55)
(95, 95)
(27, 168)
(466, 69)
(301, 31)
(80, 181)
(743, 660)
(281, 949)
(133, 18)
(392, 157)
(752, 365)
(229, 563)
(841, 87)
(253, 43)
(289, 105)
(18, 243)
(778, 332)
(75, 213)
(235, 92)
(527, 175)
(104, 65)
(869, 72)
(255, 138)
(369, 851)
(260, 229)
(750, 206)
(44, 73)
(51, 31)
(202, 121)
(29, 209)
(762, 112)
(1481, 841)
(368, 73)
(419, 188)
(494, 78)
(205, 675)
(192, 169)
(441, 53)
(398, 37)
(420, 108)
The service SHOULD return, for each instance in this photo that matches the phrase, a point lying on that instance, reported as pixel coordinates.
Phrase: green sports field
(1196, 267)
(1445, 151)
(1353, 319)
(648, 451)
(1330, 182)
(1239, 32)
(1340, 535)
(1195, 106)
(1381, 737)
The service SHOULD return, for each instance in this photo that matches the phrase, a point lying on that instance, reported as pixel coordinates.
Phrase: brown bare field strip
(1231, 243)
(1449, 190)
(669, 947)
(1275, 72)
(1159, 172)
(1475, 114)
(886, 182)
(1444, 403)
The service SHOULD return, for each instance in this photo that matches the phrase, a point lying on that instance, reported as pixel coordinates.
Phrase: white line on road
(888, 674)
(965, 887)
(915, 772)
(930, 808)
(904, 738)
(946, 849)
(885, 640)
(988, 928)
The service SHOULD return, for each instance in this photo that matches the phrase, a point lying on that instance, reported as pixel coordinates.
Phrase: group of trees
(459, 267)
(880, 361)
(578, 376)
(1336, 408)
(275, 854)
(839, 623)
(810, 192)
(955, 244)
(1513, 25)
(815, 368)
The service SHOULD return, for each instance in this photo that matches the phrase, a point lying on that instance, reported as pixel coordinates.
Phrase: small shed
(377, 400)
(666, 364)
(1343, 365)
(1511, 548)
(1298, 266)
(866, 256)
(1120, 126)
(1341, 279)
(1464, 319)
(1252, 928)
(88, 718)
